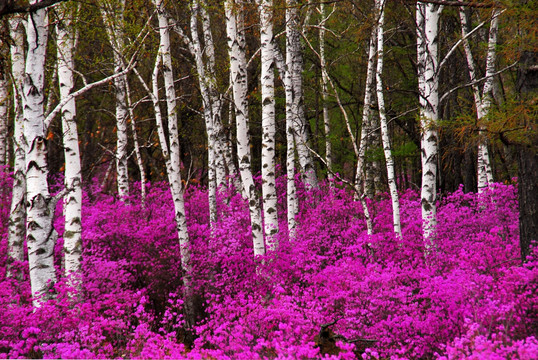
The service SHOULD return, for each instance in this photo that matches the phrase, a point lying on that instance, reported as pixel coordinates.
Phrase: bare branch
(81, 91)
(445, 95)
(11, 7)
(485, 4)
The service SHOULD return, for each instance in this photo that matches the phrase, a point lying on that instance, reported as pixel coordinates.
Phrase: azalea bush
(333, 291)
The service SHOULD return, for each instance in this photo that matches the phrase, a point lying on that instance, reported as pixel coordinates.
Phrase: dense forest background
(349, 29)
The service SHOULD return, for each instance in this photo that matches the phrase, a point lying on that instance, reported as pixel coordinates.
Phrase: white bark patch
(380, 11)
(17, 215)
(324, 92)
(267, 77)
(73, 177)
(427, 18)
(40, 234)
(138, 154)
(294, 63)
(4, 99)
(113, 17)
(482, 100)
(238, 76)
(362, 174)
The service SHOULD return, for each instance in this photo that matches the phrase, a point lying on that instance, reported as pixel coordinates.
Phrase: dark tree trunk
(528, 199)
(527, 81)
(469, 184)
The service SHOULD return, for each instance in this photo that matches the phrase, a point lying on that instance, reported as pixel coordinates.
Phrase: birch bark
(171, 159)
(40, 234)
(136, 144)
(380, 11)
(173, 155)
(73, 177)
(427, 21)
(216, 100)
(324, 92)
(238, 72)
(267, 77)
(365, 136)
(17, 215)
(4, 96)
(291, 118)
(361, 175)
(4, 99)
(482, 100)
(204, 83)
(113, 17)
(294, 63)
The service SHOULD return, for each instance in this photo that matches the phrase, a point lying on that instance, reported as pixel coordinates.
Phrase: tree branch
(81, 91)
(445, 95)
(485, 4)
(10, 7)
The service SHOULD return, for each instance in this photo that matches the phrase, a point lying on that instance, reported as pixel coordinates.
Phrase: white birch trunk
(294, 63)
(17, 215)
(172, 169)
(365, 137)
(291, 118)
(136, 144)
(380, 11)
(267, 77)
(238, 71)
(214, 96)
(40, 234)
(121, 132)
(73, 177)
(482, 101)
(4, 99)
(427, 21)
(234, 178)
(362, 176)
(324, 93)
(206, 83)
(364, 171)
(113, 17)
(172, 156)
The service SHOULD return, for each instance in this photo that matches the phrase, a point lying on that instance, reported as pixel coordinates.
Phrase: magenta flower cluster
(331, 292)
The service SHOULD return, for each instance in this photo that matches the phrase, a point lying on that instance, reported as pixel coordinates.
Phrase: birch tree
(380, 13)
(40, 234)
(4, 96)
(73, 178)
(171, 149)
(427, 23)
(239, 83)
(361, 175)
(324, 90)
(113, 18)
(206, 83)
(17, 215)
(215, 97)
(171, 158)
(267, 77)
(294, 66)
(204, 57)
(138, 154)
(291, 118)
(4, 100)
(482, 99)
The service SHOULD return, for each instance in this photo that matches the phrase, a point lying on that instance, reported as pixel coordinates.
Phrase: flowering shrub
(475, 345)
(331, 292)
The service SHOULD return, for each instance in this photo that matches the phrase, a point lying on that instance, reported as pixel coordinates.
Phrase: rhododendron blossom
(332, 291)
